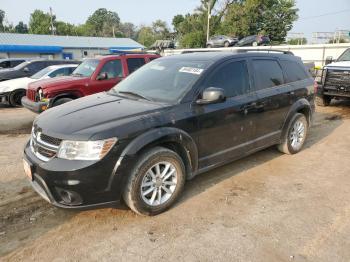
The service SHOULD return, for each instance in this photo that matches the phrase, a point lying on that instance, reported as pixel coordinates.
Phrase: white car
(12, 91)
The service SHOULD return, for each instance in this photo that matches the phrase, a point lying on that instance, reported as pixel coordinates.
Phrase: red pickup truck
(91, 76)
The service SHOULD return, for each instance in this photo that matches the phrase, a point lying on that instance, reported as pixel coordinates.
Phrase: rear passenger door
(273, 100)
(134, 64)
(225, 128)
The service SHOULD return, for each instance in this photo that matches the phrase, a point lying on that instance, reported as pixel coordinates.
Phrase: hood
(57, 81)
(13, 84)
(341, 65)
(98, 116)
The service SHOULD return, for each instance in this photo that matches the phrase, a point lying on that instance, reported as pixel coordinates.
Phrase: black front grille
(50, 140)
(46, 153)
(338, 80)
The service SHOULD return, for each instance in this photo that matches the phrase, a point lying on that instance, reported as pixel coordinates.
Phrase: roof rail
(240, 50)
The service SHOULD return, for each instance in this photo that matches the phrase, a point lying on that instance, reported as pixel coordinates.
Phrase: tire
(209, 46)
(255, 43)
(226, 44)
(16, 97)
(323, 100)
(134, 193)
(61, 101)
(295, 135)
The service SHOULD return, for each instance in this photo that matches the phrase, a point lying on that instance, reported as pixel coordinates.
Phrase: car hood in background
(340, 65)
(57, 81)
(97, 116)
(13, 84)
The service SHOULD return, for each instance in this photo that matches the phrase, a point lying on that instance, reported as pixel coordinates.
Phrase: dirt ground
(266, 207)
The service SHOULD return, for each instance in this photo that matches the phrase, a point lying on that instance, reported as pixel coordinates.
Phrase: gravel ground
(266, 207)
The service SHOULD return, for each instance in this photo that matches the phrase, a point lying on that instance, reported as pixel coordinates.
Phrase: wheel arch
(302, 106)
(64, 95)
(168, 137)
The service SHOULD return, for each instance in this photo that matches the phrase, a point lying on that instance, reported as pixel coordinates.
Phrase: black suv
(30, 68)
(169, 121)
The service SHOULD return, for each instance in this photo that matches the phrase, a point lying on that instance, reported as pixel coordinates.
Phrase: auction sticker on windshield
(191, 70)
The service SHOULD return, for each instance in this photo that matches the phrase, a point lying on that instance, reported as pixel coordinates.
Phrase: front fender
(159, 136)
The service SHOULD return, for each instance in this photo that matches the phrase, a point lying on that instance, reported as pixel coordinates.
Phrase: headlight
(85, 150)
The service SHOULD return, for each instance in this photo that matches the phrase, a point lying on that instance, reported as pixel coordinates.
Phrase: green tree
(63, 28)
(2, 18)
(21, 28)
(146, 36)
(160, 29)
(177, 20)
(103, 23)
(297, 41)
(128, 30)
(40, 23)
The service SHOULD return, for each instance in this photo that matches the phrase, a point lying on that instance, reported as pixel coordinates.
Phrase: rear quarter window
(268, 73)
(293, 71)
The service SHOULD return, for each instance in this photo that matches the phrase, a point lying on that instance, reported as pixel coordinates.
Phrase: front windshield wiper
(134, 94)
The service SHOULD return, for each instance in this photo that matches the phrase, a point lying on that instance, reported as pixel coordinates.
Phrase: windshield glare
(41, 73)
(345, 56)
(86, 68)
(165, 80)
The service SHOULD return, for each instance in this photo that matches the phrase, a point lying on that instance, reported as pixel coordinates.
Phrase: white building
(62, 47)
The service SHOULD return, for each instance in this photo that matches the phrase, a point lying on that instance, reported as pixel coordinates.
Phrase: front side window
(268, 73)
(232, 77)
(163, 80)
(36, 66)
(58, 72)
(112, 69)
(86, 68)
(345, 56)
(134, 64)
(41, 73)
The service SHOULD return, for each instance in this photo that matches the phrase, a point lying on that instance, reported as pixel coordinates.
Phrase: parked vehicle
(169, 121)
(91, 76)
(221, 41)
(11, 62)
(30, 68)
(254, 40)
(12, 91)
(335, 80)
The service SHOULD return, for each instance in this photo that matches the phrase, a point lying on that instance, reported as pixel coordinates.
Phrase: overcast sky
(144, 12)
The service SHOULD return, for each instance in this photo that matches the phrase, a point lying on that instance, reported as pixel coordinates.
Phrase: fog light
(69, 197)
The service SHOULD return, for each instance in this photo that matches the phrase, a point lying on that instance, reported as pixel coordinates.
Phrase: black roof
(216, 56)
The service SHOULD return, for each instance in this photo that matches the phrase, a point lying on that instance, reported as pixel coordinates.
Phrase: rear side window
(16, 62)
(232, 77)
(294, 71)
(134, 64)
(268, 73)
(5, 64)
(36, 66)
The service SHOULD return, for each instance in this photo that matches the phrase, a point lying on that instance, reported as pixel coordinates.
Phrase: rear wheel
(62, 101)
(255, 43)
(323, 101)
(295, 136)
(226, 44)
(16, 97)
(156, 182)
(209, 46)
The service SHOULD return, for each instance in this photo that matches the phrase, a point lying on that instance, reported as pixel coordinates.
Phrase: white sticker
(157, 67)
(191, 70)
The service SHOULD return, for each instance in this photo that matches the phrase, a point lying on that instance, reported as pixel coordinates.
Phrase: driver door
(109, 75)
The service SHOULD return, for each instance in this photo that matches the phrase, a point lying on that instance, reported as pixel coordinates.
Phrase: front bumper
(36, 107)
(78, 184)
(4, 98)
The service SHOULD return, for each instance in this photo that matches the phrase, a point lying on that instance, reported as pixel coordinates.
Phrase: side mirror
(329, 59)
(212, 95)
(102, 76)
(26, 69)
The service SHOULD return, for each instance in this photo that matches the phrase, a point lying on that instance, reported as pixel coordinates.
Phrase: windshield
(41, 73)
(165, 80)
(86, 68)
(345, 56)
(21, 65)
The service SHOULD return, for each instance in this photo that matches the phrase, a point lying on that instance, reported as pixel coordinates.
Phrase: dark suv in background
(254, 40)
(11, 62)
(169, 121)
(30, 67)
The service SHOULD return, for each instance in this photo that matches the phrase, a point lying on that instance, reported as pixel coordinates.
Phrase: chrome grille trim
(36, 143)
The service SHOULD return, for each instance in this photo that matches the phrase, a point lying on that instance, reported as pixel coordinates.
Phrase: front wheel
(295, 136)
(16, 97)
(156, 182)
(62, 101)
(226, 44)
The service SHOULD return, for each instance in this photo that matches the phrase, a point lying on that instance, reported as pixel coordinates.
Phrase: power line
(327, 14)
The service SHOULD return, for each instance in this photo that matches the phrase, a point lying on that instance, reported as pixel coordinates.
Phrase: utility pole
(209, 16)
(51, 22)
